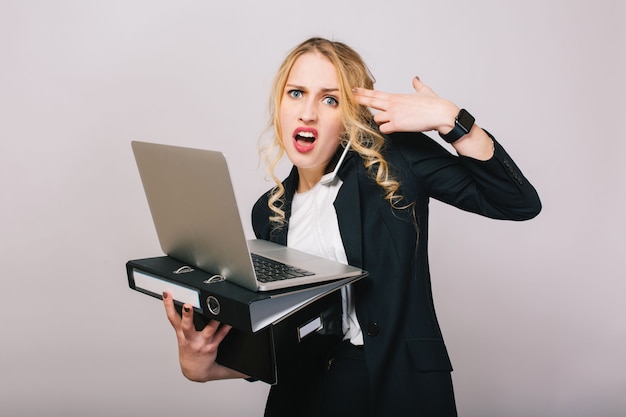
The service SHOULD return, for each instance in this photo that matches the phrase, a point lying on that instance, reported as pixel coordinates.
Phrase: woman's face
(309, 114)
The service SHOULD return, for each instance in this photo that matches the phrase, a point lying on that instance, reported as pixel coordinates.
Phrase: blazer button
(372, 329)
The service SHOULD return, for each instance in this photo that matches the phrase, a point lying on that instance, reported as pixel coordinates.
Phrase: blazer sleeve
(494, 188)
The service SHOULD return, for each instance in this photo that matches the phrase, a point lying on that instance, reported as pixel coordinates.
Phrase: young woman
(374, 215)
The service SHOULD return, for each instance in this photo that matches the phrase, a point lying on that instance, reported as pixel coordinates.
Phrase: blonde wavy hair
(358, 122)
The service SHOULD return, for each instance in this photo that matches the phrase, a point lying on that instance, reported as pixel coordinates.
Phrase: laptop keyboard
(268, 270)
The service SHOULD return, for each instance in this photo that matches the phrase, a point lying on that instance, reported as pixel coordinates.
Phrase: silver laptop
(195, 214)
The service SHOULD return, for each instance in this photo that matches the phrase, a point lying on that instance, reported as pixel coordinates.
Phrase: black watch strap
(462, 125)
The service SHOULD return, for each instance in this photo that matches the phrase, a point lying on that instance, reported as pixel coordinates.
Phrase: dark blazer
(407, 360)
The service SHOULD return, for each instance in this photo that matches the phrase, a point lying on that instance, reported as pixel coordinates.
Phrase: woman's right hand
(197, 350)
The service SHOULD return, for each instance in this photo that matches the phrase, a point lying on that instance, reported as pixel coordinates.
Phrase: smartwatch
(462, 125)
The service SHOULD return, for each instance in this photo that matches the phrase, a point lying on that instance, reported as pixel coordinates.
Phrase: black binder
(273, 332)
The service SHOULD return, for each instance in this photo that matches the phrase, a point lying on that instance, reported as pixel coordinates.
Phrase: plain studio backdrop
(533, 313)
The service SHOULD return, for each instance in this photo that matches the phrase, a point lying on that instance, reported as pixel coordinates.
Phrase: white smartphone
(330, 177)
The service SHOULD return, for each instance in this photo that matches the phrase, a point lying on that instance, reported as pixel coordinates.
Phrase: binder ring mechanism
(185, 269)
(214, 279)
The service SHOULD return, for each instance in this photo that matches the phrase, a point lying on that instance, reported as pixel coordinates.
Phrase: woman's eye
(295, 93)
(331, 101)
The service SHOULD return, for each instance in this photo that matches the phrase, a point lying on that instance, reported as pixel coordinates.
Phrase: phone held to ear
(330, 177)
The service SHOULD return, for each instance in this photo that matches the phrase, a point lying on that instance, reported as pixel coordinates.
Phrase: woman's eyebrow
(323, 90)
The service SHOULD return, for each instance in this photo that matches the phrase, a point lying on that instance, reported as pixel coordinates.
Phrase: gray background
(533, 313)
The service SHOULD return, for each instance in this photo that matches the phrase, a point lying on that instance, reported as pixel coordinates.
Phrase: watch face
(465, 120)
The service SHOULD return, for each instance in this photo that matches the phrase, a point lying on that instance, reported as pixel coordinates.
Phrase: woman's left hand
(423, 111)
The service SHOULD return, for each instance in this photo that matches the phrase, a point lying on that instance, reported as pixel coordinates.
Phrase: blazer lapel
(348, 209)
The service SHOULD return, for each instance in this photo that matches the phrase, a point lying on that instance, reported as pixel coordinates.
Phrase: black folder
(273, 332)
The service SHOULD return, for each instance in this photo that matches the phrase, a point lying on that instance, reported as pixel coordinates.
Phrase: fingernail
(417, 78)
(164, 295)
(186, 309)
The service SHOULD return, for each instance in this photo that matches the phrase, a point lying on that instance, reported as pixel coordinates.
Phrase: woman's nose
(309, 112)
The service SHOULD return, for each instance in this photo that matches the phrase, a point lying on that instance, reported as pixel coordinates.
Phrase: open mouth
(304, 139)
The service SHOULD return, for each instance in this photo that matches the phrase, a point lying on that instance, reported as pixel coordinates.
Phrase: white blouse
(313, 228)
